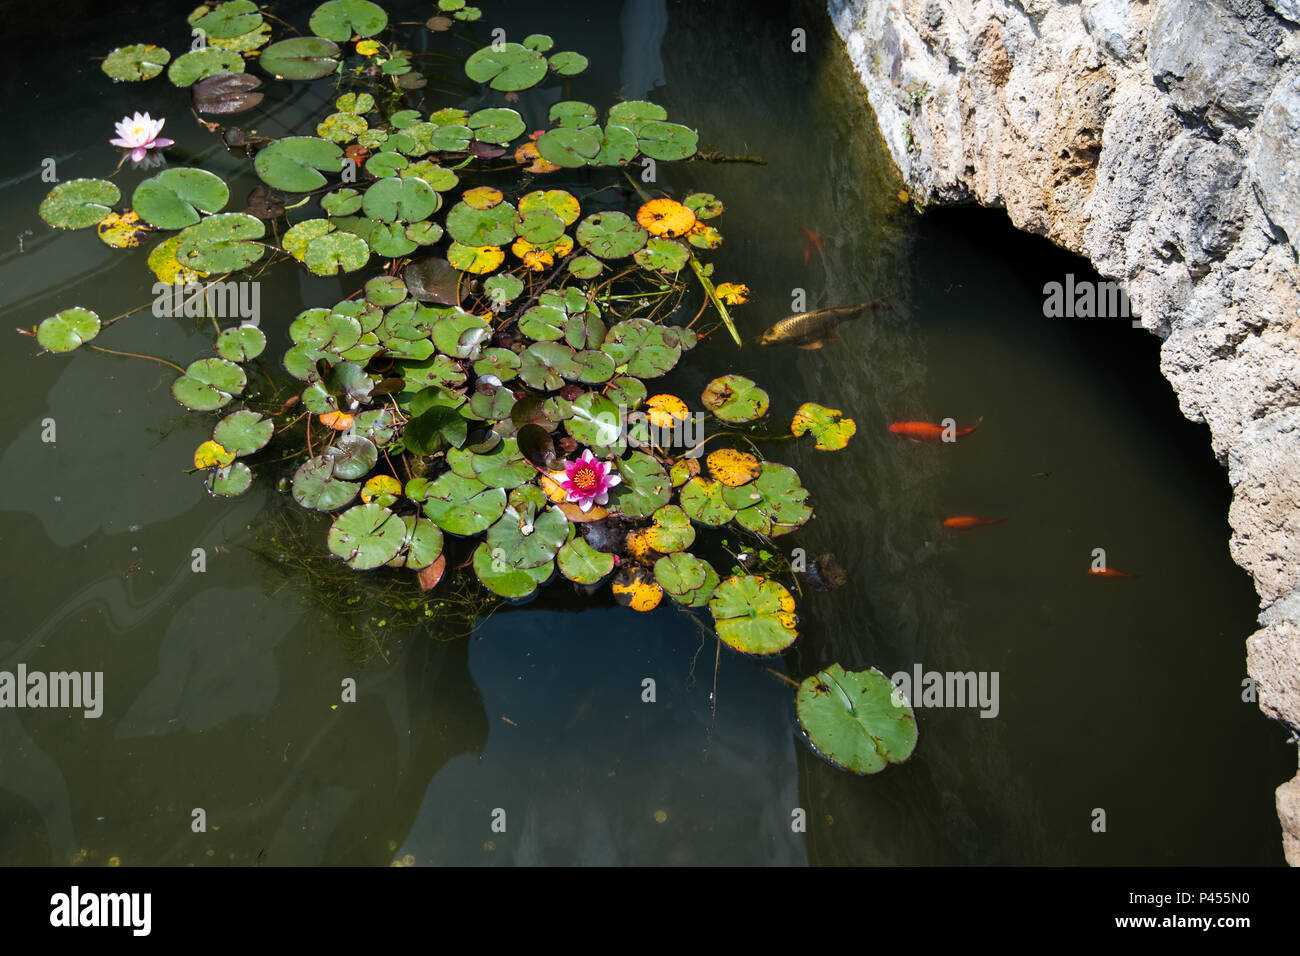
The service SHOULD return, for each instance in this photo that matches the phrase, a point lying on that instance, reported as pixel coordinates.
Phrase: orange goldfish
(814, 242)
(1110, 573)
(925, 431)
(963, 522)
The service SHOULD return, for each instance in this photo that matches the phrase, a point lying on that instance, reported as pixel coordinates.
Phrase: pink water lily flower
(139, 134)
(587, 480)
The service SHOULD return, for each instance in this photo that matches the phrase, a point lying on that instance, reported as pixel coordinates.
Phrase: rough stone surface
(1157, 138)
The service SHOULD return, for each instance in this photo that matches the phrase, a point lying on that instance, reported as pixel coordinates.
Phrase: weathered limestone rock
(1161, 140)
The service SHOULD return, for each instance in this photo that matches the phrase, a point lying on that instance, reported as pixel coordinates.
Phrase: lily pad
(339, 19)
(509, 67)
(733, 468)
(338, 250)
(314, 485)
(217, 243)
(671, 530)
(703, 500)
(855, 720)
(496, 125)
(583, 564)
(208, 384)
(139, 61)
(667, 141)
(754, 615)
(353, 456)
(197, 65)
(294, 163)
(174, 198)
(234, 479)
(463, 506)
(662, 255)
(568, 147)
(734, 398)
(423, 537)
(573, 114)
(642, 348)
(611, 235)
(828, 425)
(618, 146)
(243, 432)
(501, 579)
(568, 63)
(481, 227)
(67, 330)
(300, 58)
(395, 198)
(461, 335)
(367, 536)
(558, 201)
(230, 19)
(433, 280)
(241, 343)
(635, 587)
(773, 504)
(595, 422)
(385, 490)
(634, 113)
(645, 487)
(79, 203)
(521, 545)
(687, 579)
(704, 205)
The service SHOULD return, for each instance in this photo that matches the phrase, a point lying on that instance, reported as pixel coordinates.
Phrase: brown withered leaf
(430, 576)
(226, 93)
(264, 204)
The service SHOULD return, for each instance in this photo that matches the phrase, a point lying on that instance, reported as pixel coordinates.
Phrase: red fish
(1110, 573)
(924, 431)
(962, 522)
(814, 242)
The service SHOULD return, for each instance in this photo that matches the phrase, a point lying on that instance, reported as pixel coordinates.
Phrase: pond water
(222, 688)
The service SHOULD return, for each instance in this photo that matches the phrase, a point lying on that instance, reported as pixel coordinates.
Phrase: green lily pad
(406, 199)
(241, 344)
(503, 289)
(502, 363)
(545, 365)
(540, 227)
(481, 227)
(208, 384)
(753, 615)
(686, 579)
(634, 113)
(528, 544)
(704, 205)
(463, 506)
(230, 19)
(341, 127)
(645, 487)
(451, 139)
(561, 202)
(338, 250)
(503, 467)
(539, 42)
(436, 370)
(544, 323)
(510, 67)
(324, 329)
(773, 504)
(587, 331)
(671, 531)
(828, 425)
(611, 235)
(618, 146)
(353, 456)
(734, 398)
(573, 114)
(496, 125)
(188, 68)
(461, 334)
(595, 422)
(234, 479)
(338, 20)
(704, 501)
(390, 240)
(294, 163)
(585, 267)
(243, 432)
(627, 391)
(500, 578)
(568, 147)
(855, 720)
(439, 178)
(174, 198)
(376, 424)
(423, 542)
(662, 255)
(667, 141)
(341, 202)
(67, 330)
(298, 237)
(645, 349)
(217, 243)
(139, 61)
(568, 63)
(367, 536)
(300, 58)
(583, 564)
(314, 485)
(79, 203)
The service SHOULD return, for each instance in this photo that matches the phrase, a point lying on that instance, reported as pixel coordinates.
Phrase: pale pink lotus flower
(139, 134)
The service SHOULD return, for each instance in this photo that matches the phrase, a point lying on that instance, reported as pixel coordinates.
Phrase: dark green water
(221, 686)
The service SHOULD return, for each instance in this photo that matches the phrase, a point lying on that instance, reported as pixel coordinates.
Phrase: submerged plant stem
(151, 358)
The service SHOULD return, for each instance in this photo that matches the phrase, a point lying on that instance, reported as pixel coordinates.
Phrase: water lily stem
(707, 284)
(779, 676)
(151, 358)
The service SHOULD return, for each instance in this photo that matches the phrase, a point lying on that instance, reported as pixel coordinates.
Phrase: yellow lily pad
(122, 230)
(635, 587)
(212, 454)
(665, 411)
(733, 468)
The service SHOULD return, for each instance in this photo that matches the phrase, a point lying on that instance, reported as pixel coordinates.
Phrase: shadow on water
(223, 688)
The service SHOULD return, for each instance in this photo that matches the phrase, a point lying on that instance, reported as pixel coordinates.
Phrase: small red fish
(1110, 573)
(925, 431)
(814, 242)
(962, 522)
